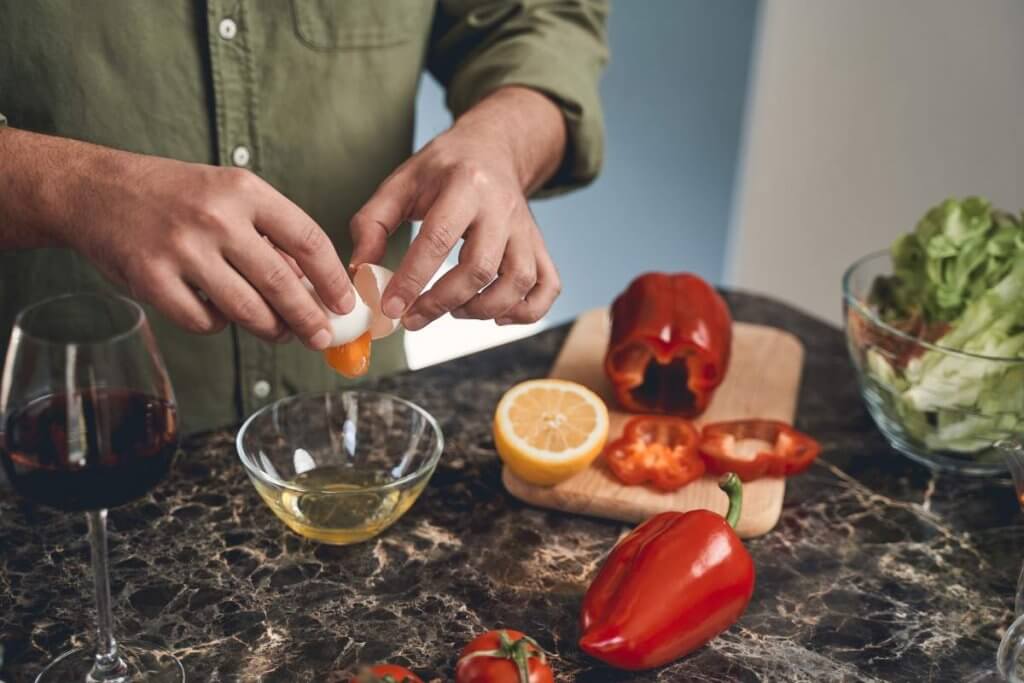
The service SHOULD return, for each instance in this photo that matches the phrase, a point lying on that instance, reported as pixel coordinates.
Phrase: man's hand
(202, 244)
(471, 183)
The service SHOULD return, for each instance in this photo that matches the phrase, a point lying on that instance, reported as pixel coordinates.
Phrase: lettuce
(963, 266)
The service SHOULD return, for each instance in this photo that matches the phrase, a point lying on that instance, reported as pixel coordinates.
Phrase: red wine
(91, 450)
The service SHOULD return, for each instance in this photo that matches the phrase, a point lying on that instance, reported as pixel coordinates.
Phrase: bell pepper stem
(730, 483)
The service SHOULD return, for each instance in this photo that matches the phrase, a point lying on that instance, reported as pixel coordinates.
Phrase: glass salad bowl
(340, 467)
(945, 408)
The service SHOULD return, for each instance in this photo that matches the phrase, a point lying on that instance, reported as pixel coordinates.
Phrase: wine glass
(88, 422)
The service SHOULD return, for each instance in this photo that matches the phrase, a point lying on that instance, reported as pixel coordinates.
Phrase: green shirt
(316, 96)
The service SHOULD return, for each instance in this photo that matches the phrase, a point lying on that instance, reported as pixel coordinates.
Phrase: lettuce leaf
(963, 265)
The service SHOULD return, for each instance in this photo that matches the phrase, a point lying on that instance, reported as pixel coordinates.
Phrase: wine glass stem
(108, 664)
(1018, 605)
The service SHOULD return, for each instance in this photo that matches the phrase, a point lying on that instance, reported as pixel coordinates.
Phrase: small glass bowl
(340, 467)
(943, 422)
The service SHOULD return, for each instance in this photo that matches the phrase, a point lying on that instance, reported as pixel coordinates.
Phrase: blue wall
(674, 95)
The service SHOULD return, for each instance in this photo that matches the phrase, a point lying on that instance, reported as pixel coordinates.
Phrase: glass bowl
(340, 467)
(944, 408)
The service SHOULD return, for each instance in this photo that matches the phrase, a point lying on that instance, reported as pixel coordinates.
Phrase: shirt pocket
(356, 24)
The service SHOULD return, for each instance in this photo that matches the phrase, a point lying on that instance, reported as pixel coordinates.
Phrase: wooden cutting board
(763, 381)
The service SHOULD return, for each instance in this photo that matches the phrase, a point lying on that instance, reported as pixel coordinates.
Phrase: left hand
(470, 183)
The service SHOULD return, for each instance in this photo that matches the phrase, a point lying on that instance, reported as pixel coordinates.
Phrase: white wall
(862, 114)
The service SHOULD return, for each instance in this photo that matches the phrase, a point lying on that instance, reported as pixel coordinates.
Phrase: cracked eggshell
(344, 328)
(370, 280)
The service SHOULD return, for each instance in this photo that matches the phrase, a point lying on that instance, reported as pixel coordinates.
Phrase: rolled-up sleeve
(557, 47)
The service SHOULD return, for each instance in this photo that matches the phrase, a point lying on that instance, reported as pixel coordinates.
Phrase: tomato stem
(539, 651)
(517, 651)
(730, 483)
(521, 658)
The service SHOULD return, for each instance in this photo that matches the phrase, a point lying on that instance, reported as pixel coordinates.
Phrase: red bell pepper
(674, 583)
(670, 341)
(791, 451)
(898, 349)
(656, 448)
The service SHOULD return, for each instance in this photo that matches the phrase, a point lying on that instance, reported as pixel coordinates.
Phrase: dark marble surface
(878, 570)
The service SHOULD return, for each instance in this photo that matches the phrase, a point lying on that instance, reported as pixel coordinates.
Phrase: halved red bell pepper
(791, 451)
(674, 583)
(657, 448)
(670, 342)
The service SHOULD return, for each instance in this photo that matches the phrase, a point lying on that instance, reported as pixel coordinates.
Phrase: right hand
(206, 245)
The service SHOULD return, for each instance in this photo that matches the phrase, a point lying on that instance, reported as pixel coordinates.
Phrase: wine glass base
(145, 662)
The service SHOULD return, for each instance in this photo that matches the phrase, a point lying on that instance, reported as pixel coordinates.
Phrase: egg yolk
(352, 359)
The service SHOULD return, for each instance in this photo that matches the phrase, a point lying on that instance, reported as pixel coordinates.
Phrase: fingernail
(459, 313)
(414, 322)
(345, 303)
(321, 340)
(394, 307)
(504, 321)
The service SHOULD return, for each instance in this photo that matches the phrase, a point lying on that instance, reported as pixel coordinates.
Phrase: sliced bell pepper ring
(658, 449)
(791, 451)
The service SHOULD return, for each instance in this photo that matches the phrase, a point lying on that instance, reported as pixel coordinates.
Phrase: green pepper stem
(730, 483)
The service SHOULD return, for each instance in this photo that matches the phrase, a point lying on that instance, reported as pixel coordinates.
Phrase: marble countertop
(877, 571)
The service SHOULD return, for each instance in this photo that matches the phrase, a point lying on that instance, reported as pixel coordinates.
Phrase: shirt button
(261, 388)
(227, 28)
(240, 156)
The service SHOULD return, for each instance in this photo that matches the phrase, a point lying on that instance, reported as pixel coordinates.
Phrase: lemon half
(547, 430)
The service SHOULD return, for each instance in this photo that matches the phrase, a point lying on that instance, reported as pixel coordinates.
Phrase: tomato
(504, 656)
(386, 673)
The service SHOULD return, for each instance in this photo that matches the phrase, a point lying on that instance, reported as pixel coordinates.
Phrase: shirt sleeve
(557, 47)
(3, 120)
